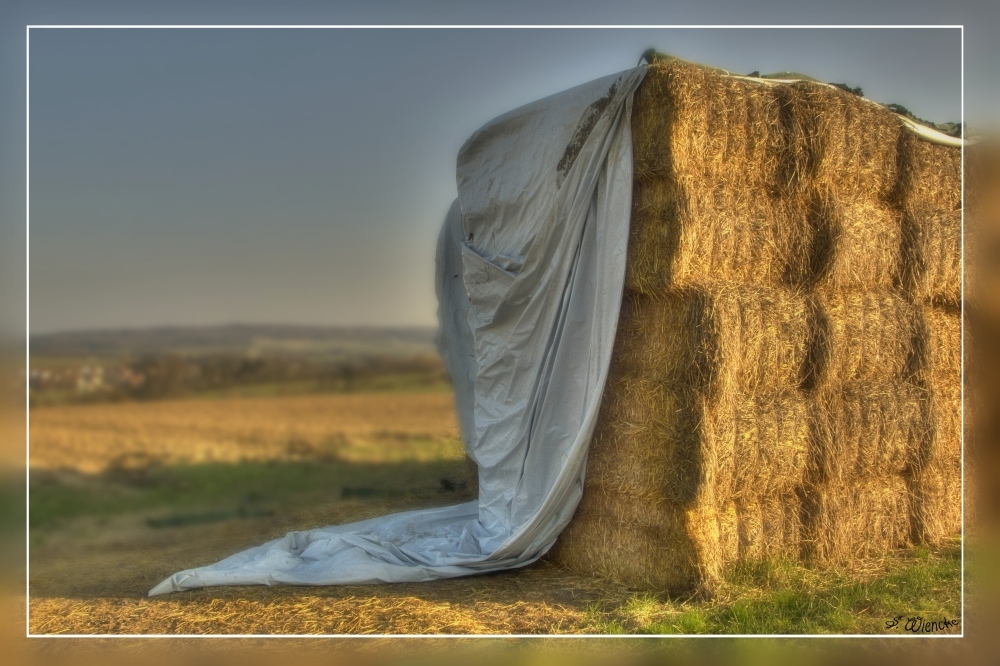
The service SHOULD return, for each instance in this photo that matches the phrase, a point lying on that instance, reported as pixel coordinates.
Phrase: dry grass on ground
(101, 590)
(97, 547)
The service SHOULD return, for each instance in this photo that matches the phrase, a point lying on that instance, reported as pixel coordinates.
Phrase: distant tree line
(152, 377)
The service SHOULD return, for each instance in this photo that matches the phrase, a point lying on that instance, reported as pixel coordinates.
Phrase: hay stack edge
(786, 373)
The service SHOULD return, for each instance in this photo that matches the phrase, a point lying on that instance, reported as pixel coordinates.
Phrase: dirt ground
(101, 590)
(90, 573)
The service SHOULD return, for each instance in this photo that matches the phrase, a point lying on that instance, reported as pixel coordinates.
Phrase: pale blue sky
(216, 176)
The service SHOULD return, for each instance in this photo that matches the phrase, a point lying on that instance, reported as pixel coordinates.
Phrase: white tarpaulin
(530, 271)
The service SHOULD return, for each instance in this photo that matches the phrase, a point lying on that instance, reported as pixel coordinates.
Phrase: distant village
(84, 378)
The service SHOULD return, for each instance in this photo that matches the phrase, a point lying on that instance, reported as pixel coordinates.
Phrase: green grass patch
(784, 597)
(389, 383)
(250, 488)
(377, 383)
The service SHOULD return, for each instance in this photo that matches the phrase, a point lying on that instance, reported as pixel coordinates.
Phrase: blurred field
(372, 427)
(124, 494)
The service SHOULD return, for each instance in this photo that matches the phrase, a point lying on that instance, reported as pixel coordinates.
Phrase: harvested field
(782, 423)
(100, 540)
(101, 590)
(543, 598)
(355, 427)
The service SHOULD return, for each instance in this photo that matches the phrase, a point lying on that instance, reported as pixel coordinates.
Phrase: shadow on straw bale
(848, 244)
(931, 268)
(867, 432)
(726, 338)
(861, 336)
(845, 523)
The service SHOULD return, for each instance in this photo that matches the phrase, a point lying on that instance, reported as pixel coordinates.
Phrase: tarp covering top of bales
(777, 380)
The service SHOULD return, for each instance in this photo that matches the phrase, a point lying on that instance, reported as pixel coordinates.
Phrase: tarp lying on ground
(530, 269)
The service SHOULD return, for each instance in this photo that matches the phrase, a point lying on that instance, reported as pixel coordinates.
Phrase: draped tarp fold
(530, 272)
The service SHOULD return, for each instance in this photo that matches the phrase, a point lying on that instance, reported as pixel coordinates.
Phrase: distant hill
(313, 341)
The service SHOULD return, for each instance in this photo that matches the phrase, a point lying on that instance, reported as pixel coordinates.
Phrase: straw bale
(691, 231)
(930, 175)
(694, 121)
(644, 445)
(944, 444)
(686, 234)
(839, 140)
(940, 371)
(936, 507)
(929, 191)
(660, 558)
(862, 337)
(865, 432)
(847, 522)
(768, 527)
(667, 340)
(699, 532)
(651, 510)
(785, 510)
(942, 338)
(688, 120)
(848, 243)
(728, 546)
(721, 339)
(785, 379)
(673, 548)
(931, 267)
(753, 529)
(656, 441)
(757, 445)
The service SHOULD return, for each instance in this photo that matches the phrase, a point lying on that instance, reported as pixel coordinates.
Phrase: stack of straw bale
(786, 373)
